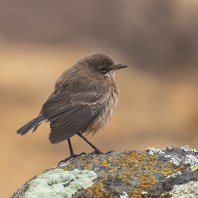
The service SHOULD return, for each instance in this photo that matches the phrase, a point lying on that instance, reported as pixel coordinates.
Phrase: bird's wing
(71, 112)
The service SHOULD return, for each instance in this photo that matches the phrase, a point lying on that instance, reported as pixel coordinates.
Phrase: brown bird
(83, 101)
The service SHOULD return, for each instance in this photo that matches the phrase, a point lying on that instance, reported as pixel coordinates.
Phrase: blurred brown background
(159, 91)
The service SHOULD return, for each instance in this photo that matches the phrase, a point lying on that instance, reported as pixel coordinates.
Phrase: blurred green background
(159, 90)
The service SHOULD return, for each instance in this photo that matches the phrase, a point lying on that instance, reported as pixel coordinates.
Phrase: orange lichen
(123, 167)
(113, 169)
(128, 173)
(97, 189)
(105, 163)
(137, 193)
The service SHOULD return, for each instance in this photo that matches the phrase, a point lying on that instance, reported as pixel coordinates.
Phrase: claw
(99, 152)
(72, 156)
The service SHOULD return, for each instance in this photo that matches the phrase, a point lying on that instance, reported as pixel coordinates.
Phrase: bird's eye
(103, 69)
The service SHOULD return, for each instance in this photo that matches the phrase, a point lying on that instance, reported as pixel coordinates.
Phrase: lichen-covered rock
(59, 183)
(153, 173)
(185, 190)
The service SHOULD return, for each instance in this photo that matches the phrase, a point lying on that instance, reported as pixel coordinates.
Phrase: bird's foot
(97, 151)
(101, 153)
(72, 156)
(111, 151)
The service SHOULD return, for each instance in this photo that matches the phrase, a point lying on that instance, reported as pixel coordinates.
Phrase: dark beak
(119, 66)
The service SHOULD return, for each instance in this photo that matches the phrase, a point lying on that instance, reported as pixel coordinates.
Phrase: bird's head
(100, 64)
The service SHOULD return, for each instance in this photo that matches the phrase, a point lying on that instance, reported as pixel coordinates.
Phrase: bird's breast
(104, 116)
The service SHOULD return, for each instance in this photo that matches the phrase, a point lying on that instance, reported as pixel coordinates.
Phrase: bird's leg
(96, 149)
(72, 155)
(70, 148)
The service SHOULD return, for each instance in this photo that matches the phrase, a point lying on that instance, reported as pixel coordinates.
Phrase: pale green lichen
(194, 168)
(152, 151)
(174, 160)
(191, 160)
(187, 148)
(125, 195)
(144, 192)
(59, 183)
(185, 190)
(174, 174)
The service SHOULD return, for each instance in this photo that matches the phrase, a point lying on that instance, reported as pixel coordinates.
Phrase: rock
(152, 173)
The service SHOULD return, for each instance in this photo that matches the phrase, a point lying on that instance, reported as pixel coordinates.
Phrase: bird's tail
(31, 124)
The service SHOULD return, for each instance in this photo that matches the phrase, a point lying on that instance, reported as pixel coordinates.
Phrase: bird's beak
(119, 66)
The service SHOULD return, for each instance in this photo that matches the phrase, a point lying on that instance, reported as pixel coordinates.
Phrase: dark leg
(70, 148)
(72, 155)
(90, 144)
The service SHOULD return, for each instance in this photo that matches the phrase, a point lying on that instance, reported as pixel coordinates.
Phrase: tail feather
(31, 124)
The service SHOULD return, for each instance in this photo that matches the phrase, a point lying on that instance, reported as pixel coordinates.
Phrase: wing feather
(71, 112)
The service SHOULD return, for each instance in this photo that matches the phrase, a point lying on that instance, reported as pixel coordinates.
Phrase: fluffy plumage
(83, 100)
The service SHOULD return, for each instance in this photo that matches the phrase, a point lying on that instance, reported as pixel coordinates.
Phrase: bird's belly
(103, 117)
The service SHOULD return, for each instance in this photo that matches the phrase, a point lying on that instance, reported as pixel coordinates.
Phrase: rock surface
(170, 172)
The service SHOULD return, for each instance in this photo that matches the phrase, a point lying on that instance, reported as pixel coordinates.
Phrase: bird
(82, 102)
